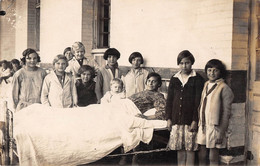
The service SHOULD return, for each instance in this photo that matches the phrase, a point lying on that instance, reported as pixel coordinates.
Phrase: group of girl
(197, 113)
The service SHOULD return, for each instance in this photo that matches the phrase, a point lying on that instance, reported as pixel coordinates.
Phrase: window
(102, 23)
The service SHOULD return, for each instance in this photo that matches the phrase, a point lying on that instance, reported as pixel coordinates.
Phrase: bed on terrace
(41, 135)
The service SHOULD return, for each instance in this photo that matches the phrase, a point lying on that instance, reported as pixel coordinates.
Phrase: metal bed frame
(7, 145)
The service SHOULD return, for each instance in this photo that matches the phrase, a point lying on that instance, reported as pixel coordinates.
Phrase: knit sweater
(220, 104)
(183, 101)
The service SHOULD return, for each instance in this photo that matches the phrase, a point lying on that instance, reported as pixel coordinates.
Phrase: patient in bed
(74, 136)
(151, 104)
(150, 98)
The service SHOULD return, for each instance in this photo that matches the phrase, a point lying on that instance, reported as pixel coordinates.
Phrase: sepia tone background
(223, 29)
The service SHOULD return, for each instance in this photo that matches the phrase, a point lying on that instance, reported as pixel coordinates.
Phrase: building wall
(87, 25)
(161, 29)
(240, 35)
(31, 39)
(7, 30)
(61, 26)
(21, 35)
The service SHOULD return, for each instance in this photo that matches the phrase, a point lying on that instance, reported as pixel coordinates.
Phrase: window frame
(102, 24)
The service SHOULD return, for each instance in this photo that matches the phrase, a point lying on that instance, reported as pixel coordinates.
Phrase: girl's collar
(59, 74)
(218, 81)
(115, 66)
(192, 74)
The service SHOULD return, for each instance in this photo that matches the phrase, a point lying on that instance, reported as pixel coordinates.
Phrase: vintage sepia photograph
(129, 82)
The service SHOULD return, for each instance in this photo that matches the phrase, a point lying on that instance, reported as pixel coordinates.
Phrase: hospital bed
(9, 154)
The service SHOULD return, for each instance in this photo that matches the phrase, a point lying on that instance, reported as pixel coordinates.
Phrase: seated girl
(151, 98)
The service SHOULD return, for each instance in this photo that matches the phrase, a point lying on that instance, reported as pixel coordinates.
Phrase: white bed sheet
(73, 136)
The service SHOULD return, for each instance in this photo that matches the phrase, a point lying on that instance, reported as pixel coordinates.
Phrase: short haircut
(27, 52)
(4, 61)
(77, 45)
(117, 81)
(111, 51)
(15, 61)
(158, 77)
(84, 68)
(58, 57)
(135, 55)
(66, 50)
(185, 54)
(218, 65)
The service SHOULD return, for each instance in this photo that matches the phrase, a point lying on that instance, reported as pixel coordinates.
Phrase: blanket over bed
(73, 136)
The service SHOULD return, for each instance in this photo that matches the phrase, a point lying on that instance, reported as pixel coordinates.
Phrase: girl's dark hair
(217, 64)
(111, 51)
(4, 61)
(84, 68)
(185, 54)
(66, 49)
(15, 61)
(27, 52)
(158, 77)
(134, 55)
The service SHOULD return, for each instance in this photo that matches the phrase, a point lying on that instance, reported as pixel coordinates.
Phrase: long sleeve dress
(26, 87)
(134, 81)
(86, 93)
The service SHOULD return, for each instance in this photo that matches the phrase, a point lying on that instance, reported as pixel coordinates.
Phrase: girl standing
(59, 89)
(78, 51)
(27, 82)
(67, 53)
(214, 112)
(15, 65)
(107, 73)
(183, 99)
(135, 79)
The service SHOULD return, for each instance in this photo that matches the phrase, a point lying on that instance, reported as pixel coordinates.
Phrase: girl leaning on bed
(58, 88)
(27, 82)
(183, 99)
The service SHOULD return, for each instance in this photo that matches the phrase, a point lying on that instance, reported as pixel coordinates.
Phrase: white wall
(21, 27)
(161, 29)
(60, 27)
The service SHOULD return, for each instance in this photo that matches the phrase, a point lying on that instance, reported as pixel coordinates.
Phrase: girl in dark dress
(182, 103)
(86, 86)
